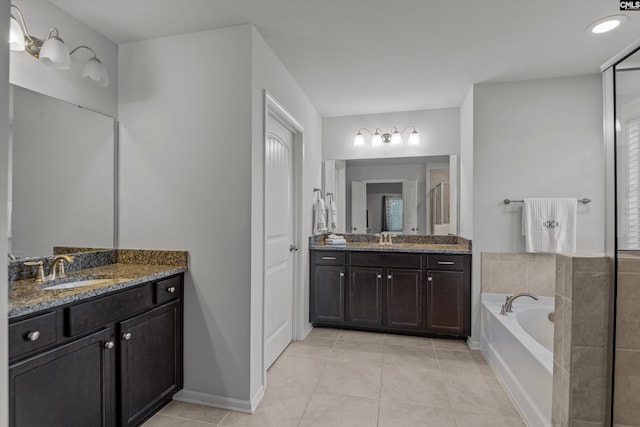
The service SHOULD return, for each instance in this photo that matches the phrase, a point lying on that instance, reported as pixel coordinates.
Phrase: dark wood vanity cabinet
(114, 360)
(427, 294)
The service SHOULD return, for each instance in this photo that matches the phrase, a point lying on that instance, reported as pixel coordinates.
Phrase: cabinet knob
(171, 289)
(33, 335)
(342, 274)
(109, 345)
(126, 336)
(429, 279)
(389, 276)
(379, 276)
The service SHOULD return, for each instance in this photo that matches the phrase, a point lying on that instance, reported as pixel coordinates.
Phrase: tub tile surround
(583, 285)
(626, 411)
(508, 273)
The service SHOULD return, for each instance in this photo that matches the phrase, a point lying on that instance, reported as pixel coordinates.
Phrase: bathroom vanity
(105, 354)
(421, 286)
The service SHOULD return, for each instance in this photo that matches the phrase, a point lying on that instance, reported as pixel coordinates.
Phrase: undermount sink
(76, 284)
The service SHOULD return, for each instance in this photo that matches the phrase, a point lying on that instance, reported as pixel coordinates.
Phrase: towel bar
(508, 201)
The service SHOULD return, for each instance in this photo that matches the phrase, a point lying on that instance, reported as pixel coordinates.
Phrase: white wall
(270, 74)
(191, 177)
(4, 166)
(185, 183)
(439, 134)
(540, 138)
(26, 71)
(466, 166)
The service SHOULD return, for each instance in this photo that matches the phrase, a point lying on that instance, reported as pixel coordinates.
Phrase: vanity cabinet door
(69, 386)
(328, 294)
(365, 296)
(405, 307)
(447, 303)
(150, 361)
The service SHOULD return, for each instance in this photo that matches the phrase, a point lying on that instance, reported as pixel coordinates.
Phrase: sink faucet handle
(40, 272)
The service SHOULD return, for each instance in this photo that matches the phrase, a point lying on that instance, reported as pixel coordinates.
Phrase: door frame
(273, 109)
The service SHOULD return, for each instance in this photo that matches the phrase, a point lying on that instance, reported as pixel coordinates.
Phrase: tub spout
(506, 307)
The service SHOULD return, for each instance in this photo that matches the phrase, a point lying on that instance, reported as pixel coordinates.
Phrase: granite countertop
(401, 243)
(26, 296)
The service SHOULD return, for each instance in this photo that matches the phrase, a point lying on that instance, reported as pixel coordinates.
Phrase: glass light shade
(414, 138)
(94, 70)
(376, 140)
(396, 138)
(16, 36)
(607, 24)
(55, 54)
(358, 141)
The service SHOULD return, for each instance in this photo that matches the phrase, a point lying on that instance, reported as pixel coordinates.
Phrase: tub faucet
(506, 307)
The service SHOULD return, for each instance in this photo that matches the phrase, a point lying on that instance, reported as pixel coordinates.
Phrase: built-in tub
(519, 348)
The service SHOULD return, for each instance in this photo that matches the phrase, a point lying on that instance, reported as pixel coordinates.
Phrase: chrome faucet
(56, 266)
(506, 307)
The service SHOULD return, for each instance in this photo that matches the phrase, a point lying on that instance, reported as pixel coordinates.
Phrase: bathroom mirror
(61, 178)
(407, 195)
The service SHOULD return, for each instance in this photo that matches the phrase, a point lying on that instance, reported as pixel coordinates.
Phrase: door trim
(273, 109)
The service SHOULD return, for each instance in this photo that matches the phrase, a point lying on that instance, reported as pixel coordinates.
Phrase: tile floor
(345, 378)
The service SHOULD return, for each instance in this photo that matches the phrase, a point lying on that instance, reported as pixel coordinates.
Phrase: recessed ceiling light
(607, 24)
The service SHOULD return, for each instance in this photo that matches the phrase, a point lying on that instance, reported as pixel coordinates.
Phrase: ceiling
(374, 56)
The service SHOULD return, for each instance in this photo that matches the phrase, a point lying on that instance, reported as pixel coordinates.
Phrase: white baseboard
(307, 329)
(222, 402)
(473, 344)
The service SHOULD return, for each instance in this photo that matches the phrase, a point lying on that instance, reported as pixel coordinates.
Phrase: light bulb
(414, 138)
(377, 139)
(358, 141)
(396, 138)
(16, 36)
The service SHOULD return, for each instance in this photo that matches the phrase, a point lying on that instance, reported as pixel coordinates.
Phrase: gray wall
(192, 143)
(539, 138)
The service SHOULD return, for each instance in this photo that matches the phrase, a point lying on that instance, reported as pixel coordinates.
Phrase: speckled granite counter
(131, 268)
(411, 244)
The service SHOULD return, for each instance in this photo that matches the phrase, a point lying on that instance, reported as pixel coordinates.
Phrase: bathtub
(519, 348)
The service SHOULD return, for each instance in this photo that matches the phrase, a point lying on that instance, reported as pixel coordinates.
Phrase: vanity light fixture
(394, 137)
(607, 24)
(52, 51)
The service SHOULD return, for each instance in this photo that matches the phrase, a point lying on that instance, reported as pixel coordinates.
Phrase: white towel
(549, 225)
(333, 215)
(319, 221)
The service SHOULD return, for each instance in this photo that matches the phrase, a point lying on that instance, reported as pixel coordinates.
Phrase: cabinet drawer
(328, 258)
(391, 260)
(445, 262)
(97, 313)
(167, 290)
(32, 334)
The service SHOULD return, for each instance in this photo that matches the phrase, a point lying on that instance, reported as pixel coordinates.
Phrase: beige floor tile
(317, 348)
(357, 336)
(410, 356)
(399, 414)
(408, 341)
(295, 372)
(480, 395)
(351, 379)
(414, 385)
(443, 344)
(194, 412)
(323, 333)
(460, 363)
(280, 407)
(331, 410)
(166, 421)
(358, 352)
(471, 419)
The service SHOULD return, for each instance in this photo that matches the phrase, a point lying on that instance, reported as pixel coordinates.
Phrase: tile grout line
(224, 418)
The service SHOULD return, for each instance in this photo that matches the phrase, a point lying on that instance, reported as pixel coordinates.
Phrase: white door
(358, 207)
(279, 242)
(410, 198)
